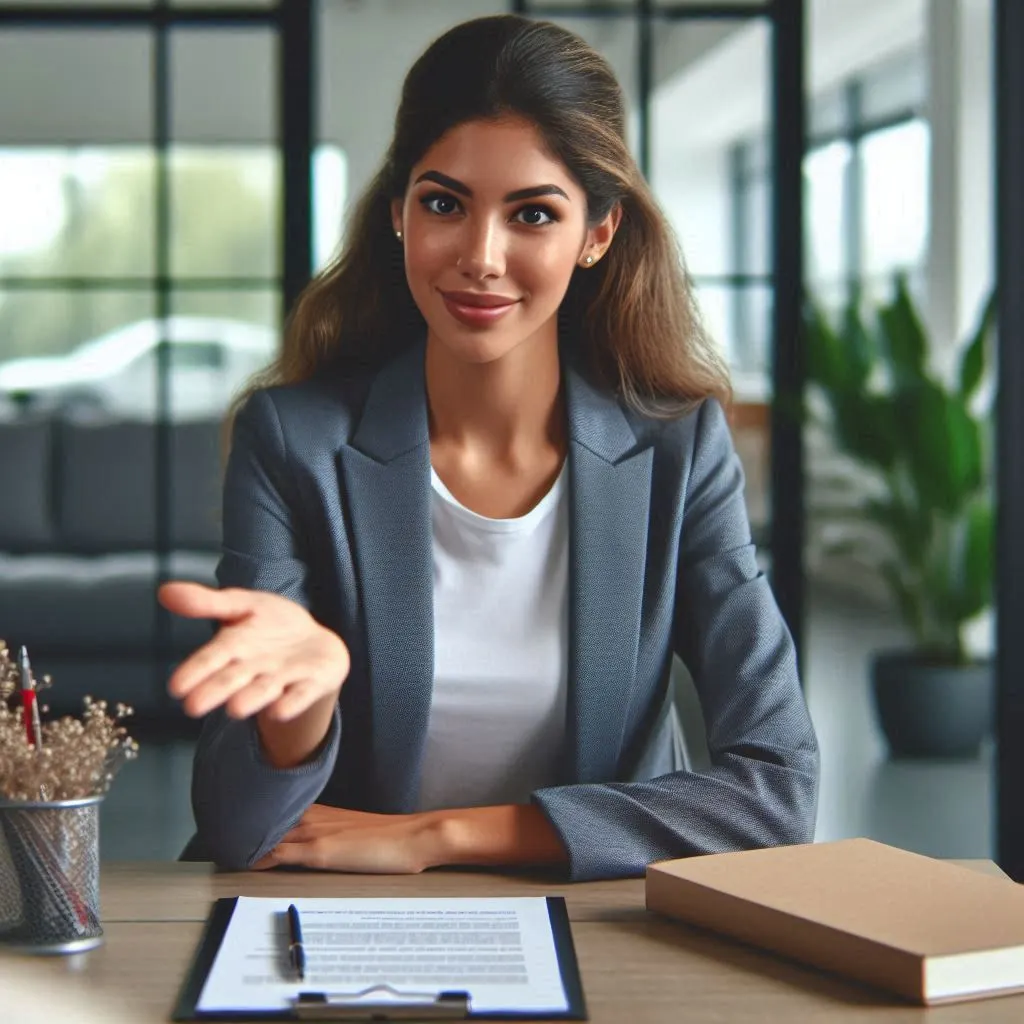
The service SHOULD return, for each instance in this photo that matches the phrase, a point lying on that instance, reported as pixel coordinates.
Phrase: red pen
(29, 702)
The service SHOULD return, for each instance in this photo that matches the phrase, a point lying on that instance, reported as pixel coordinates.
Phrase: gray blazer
(327, 501)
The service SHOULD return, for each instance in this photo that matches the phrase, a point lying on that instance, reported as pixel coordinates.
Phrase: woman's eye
(535, 216)
(441, 204)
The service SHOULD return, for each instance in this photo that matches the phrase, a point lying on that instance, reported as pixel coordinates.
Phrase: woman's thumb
(197, 601)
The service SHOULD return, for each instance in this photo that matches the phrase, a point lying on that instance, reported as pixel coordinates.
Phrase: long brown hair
(633, 314)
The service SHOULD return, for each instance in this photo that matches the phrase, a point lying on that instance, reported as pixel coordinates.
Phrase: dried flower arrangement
(77, 758)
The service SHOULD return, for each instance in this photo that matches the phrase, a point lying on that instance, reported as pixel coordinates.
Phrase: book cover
(928, 930)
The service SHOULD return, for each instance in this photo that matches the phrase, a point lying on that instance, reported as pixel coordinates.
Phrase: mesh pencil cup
(50, 875)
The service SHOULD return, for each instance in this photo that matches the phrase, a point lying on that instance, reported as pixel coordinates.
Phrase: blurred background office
(172, 173)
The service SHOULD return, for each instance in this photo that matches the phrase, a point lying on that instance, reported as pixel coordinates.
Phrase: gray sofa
(78, 569)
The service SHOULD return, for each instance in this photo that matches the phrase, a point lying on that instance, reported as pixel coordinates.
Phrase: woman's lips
(477, 310)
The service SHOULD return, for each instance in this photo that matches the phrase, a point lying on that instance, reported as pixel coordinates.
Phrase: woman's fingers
(320, 820)
(304, 833)
(214, 656)
(180, 596)
(322, 812)
(314, 854)
(218, 687)
(365, 854)
(213, 677)
(298, 696)
(262, 690)
(196, 601)
(311, 828)
(199, 666)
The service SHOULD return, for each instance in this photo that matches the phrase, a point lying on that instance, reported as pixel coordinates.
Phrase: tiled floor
(939, 808)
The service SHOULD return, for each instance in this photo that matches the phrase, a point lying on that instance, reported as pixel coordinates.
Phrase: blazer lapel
(386, 484)
(610, 482)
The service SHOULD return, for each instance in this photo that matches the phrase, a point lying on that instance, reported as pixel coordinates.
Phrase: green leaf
(867, 428)
(860, 346)
(910, 529)
(972, 366)
(905, 343)
(943, 446)
(976, 567)
(838, 360)
(939, 584)
(825, 362)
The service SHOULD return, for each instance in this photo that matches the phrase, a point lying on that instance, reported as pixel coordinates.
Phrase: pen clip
(368, 1005)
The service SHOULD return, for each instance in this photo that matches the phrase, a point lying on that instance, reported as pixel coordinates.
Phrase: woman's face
(493, 228)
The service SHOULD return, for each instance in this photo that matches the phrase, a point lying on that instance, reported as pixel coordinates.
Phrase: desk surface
(636, 967)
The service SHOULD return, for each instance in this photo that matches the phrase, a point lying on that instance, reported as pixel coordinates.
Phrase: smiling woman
(484, 496)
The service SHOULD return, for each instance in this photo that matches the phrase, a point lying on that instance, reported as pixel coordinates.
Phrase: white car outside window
(210, 359)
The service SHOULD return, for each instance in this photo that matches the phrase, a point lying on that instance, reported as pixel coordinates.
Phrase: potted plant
(921, 446)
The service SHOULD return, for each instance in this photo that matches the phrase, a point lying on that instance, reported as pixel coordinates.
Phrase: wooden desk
(139, 891)
(636, 967)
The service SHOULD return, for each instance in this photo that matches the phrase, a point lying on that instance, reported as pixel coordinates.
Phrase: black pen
(296, 952)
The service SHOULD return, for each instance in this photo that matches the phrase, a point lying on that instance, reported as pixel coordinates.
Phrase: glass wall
(898, 182)
(716, 192)
(95, 225)
(141, 262)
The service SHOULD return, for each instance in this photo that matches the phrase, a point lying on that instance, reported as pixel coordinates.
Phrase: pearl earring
(398, 235)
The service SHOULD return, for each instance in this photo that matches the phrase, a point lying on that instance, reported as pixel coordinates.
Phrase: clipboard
(377, 1002)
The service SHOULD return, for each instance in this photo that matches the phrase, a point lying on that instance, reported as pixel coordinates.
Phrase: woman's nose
(483, 251)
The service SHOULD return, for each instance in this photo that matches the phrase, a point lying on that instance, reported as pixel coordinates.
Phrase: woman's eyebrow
(464, 190)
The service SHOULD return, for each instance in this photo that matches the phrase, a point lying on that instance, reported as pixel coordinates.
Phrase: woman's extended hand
(270, 655)
(336, 839)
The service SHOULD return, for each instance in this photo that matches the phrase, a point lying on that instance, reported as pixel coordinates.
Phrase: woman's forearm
(287, 744)
(509, 835)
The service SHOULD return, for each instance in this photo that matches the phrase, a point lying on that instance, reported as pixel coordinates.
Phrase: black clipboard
(316, 1006)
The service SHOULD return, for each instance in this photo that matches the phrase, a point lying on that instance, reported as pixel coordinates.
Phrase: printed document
(501, 950)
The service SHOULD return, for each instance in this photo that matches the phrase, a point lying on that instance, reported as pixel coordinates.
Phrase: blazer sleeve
(761, 787)
(242, 804)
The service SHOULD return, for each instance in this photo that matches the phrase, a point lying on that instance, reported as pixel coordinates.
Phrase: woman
(488, 495)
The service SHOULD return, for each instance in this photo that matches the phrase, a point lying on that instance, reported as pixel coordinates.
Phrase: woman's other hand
(336, 839)
(270, 658)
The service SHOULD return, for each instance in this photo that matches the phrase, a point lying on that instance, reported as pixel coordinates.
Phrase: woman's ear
(600, 236)
(396, 215)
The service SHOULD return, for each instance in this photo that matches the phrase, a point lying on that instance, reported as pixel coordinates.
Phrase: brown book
(925, 929)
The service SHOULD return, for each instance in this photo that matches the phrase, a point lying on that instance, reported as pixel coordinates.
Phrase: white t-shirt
(501, 627)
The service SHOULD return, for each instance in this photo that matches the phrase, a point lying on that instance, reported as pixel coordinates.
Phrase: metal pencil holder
(50, 875)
